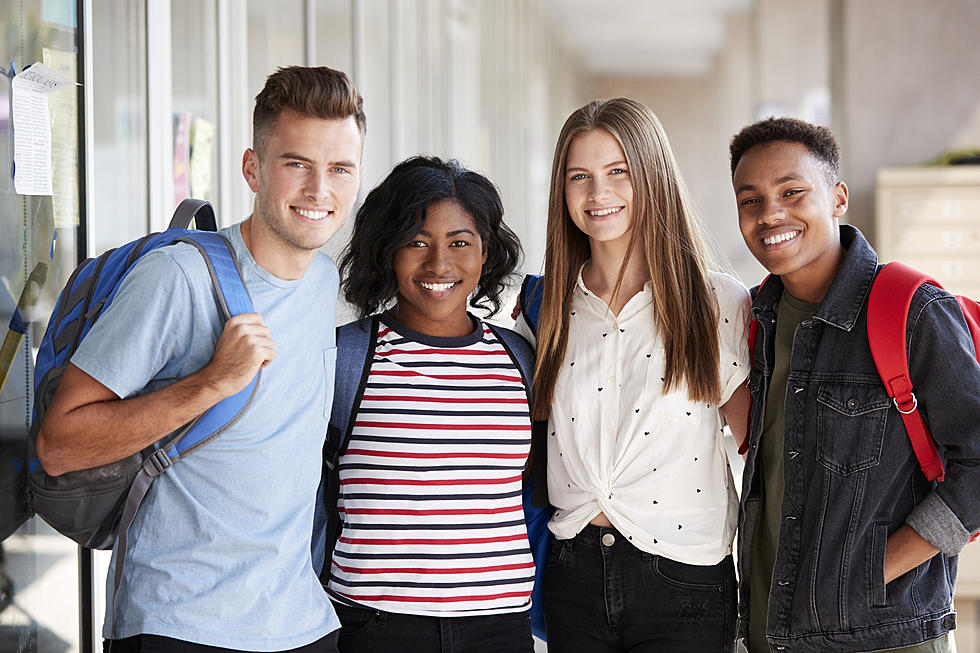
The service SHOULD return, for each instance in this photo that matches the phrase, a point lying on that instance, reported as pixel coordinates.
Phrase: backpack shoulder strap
(971, 312)
(534, 499)
(233, 299)
(355, 351)
(200, 211)
(532, 291)
(520, 351)
(888, 312)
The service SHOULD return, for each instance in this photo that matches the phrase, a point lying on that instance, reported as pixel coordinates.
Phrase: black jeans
(158, 644)
(603, 595)
(374, 631)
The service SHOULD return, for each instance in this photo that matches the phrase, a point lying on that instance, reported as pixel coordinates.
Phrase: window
(38, 249)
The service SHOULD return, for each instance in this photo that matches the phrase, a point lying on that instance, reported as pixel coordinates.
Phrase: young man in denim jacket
(843, 544)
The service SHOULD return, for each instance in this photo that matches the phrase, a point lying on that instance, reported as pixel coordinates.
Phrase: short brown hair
(319, 92)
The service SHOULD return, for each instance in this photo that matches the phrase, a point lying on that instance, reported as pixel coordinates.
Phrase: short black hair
(392, 214)
(816, 138)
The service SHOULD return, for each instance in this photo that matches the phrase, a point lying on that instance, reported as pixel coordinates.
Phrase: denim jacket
(851, 478)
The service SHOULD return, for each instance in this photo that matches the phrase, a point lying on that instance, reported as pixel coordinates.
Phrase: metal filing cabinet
(929, 218)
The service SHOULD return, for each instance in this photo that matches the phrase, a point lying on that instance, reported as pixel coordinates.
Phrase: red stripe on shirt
(425, 570)
(444, 427)
(465, 540)
(411, 454)
(450, 352)
(449, 377)
(443, 511)
(445, 400)
(448, 481)
(435, 599)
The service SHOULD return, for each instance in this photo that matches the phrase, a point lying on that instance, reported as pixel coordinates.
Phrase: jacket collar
(848, 292)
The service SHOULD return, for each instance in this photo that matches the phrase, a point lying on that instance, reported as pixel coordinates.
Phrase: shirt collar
(638, 302)
(848, 292)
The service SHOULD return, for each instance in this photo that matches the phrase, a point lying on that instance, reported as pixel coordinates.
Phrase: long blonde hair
(668, 233)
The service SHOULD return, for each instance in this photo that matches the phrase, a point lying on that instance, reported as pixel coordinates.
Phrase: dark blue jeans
(374, 631)
(603, 595)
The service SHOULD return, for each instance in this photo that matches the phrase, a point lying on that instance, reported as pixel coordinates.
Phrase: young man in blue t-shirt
(843, 544)
(219, 552)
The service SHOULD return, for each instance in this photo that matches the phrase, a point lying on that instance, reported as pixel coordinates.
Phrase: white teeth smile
(601, 212)
(437, 287)
(312, 215)
(772, 240)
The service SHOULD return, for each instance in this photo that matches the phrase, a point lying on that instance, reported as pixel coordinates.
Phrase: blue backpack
(91, 506)
(532, 290)
(355, 352)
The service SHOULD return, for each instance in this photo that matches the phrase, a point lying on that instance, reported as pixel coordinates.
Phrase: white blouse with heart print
(655, 463)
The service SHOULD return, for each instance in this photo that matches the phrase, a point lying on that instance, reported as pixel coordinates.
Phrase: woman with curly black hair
(432, 553)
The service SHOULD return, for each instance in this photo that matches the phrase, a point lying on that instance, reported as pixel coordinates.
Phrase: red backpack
(888, 311)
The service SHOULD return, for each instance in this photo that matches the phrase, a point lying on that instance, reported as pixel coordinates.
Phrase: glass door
(40, 237)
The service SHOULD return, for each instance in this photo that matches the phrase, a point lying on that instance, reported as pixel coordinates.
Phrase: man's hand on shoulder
(244, 347)
(88, 425)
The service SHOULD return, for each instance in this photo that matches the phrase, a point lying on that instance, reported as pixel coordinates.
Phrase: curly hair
(816, 138)
(393, 213)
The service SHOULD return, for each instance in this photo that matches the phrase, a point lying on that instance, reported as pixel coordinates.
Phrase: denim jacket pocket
(879, 540)
(850, 425)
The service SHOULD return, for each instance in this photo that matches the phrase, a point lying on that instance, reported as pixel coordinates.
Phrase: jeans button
(608, 539)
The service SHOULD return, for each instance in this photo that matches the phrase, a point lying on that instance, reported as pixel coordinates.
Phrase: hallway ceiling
(644, 38)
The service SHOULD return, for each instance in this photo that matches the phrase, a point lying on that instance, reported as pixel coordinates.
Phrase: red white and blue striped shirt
(430, 483)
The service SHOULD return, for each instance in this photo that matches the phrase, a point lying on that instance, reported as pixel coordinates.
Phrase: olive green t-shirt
(789, 313)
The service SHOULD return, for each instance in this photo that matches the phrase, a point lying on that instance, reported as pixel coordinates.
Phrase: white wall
(487, 83)
(910, 88)
(775, 60)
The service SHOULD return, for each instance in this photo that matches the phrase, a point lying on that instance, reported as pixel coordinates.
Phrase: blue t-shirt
(219, 552)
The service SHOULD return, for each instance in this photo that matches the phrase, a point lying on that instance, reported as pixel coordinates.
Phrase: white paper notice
(32, 128)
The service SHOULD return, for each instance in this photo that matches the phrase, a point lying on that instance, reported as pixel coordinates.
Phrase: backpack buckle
(911, 410)
(157, 463)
